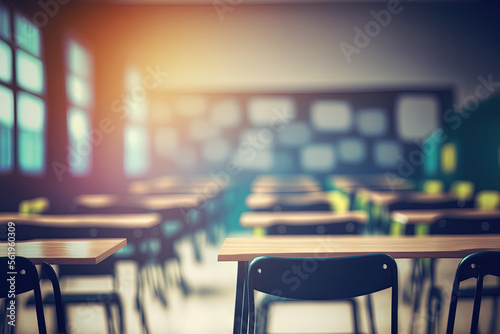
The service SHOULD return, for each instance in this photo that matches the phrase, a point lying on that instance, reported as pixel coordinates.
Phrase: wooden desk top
(246, 249)
(261, 201)
(266, 219)
(430, 216)
(391, 197)
(210, 188)
(351, 183)
(284, 180)
(285, 189)
(145, 220)
(66, 251)
(149, 202)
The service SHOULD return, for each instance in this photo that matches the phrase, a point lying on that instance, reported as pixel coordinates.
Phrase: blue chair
(327, 279)
(474, 266)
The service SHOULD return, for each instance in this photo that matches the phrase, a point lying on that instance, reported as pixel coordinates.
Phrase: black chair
(336, 228)
(27, 279)
(455, 226)
(327, 279)
(473, 266)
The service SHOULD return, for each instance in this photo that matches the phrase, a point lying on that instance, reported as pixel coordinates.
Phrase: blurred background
(97, 94)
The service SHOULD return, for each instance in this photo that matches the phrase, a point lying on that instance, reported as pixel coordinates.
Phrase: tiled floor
(208, 309)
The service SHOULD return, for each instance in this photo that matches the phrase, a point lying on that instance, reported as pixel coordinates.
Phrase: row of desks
(378, 190)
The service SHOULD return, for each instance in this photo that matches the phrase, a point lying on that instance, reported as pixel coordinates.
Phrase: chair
(464, 190)
(323, 279)
(456, 226)
(432, 186)
(473, 266)
(487, 200)
(27, 279)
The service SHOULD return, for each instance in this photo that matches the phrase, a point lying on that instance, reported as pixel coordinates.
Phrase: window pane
(30, 74)
(318, 158)
(331, 116)
(6, 106)
(80, 145)
(417, 116)
(78, 60)
(78, 91)
(6, 133)
(27, 35)
(5, 62)
(372, 122)
(271, 111)
(136, 150)
(31, 127)
(4, 22)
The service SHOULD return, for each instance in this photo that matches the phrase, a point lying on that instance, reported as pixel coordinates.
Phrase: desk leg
(239, 321)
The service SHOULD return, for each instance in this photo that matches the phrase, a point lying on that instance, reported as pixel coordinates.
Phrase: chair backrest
(464, 190)
(323, 279)
(35, 205)
(432, 186)
(25, 279)
(473, 266)
(487, 200)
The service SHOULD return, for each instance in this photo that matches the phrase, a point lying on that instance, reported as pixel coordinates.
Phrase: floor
(209, 307)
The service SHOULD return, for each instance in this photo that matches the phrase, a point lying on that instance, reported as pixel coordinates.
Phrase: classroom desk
(66, 251)
(243, 250)
(270, 180)
(291, 188)
(266, 219)
(147, 202)
(131, 226)
(272, 201)
(412, 217)
(351, 183)
(388, 198)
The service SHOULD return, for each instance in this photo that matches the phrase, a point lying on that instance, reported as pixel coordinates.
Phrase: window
(31, 125)
(23, 106)
(6, 125)
(331, 116)
(417, 116)
(136, 138)
(80, 103)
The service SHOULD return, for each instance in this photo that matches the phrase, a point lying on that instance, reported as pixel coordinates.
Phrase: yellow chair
(34, 206)
(487, 200)
(464, 190)
(432, 186)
